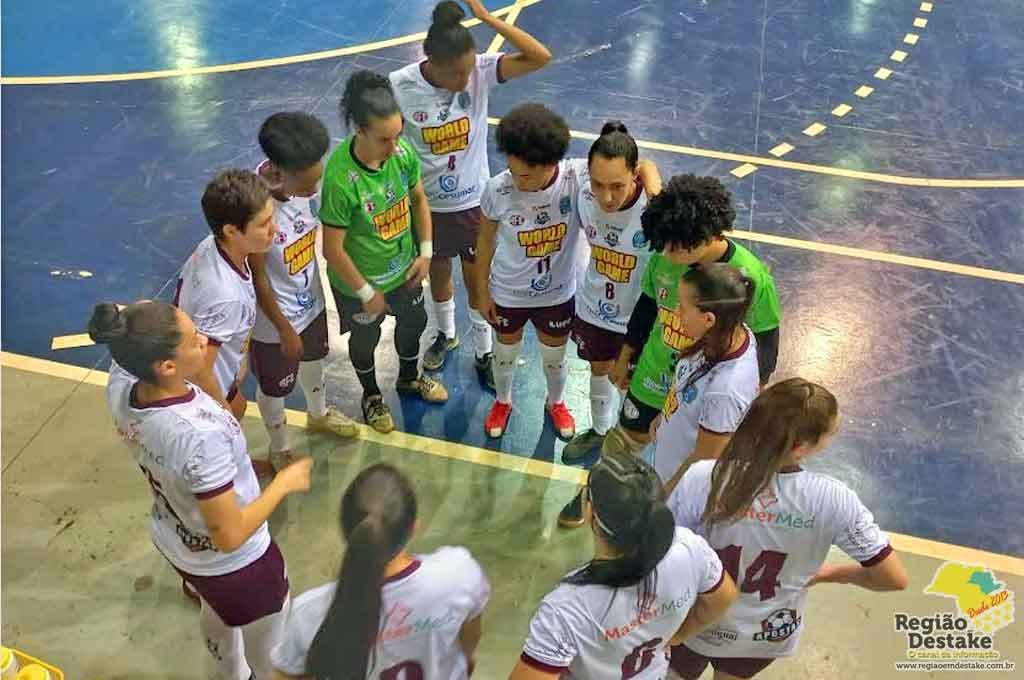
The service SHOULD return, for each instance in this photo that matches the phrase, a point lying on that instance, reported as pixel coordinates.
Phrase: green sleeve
(764, 313)
(647, 282)
(336, 208)
(410, 163)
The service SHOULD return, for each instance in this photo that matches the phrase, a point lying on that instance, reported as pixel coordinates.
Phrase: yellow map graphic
(979, 596)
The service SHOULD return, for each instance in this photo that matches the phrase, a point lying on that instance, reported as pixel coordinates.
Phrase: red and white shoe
(497, 419)
(565, 424)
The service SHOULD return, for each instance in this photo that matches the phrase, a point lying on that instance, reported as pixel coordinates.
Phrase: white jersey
(778, 545)
(534, 262)
(598, 633)
(221, 301)
(189, 448)
(422, 611)
(292, 268)
(716, 401)
(448, 130)
(618, 255)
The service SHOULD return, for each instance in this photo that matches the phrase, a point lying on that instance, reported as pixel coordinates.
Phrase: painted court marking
(512, 463)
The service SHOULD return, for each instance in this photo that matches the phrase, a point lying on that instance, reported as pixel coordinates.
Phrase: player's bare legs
(556, 372)
(483, 345)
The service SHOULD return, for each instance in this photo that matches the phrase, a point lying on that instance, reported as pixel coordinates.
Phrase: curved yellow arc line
(244, 65)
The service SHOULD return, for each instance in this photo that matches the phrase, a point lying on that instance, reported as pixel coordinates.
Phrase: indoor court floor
(874, 153)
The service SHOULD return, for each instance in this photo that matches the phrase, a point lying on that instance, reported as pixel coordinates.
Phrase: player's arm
(230, 524)
(532, 54)
(523, 671)
(206, 379)
(887, 575)
(486, 243)
(341, 263)
(709, 608)
(709, 446)
(424, 227)
(767, 353)
(469, 639)
(291, 343)
(650, 178)
(638, 329)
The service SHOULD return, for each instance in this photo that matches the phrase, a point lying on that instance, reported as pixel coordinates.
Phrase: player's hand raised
(477, 8)
(295, 478)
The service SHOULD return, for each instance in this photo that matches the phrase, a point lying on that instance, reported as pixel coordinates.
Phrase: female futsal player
(444, 102)
(772, 523)
(391, 615)
(209, 519)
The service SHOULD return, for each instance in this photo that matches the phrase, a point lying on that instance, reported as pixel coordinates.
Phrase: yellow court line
(244, 65)
(935, 183)
(879, 256)
(499, 39)
(513, 463)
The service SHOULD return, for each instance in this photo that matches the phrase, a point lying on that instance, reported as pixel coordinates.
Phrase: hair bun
(614, 126)
(447, 15)
(107, 323)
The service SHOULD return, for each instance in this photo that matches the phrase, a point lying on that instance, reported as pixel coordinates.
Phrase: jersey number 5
(640, 658)
(407, 670)
(762, 576)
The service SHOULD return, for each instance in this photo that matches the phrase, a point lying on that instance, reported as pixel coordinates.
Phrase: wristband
(366, 293)
(427, 249)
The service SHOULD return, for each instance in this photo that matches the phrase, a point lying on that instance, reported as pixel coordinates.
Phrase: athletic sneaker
(485, 370)
(565, 424)
(377, 414)
(425, 387)
(434, 356)
(497, 419)
(333, 422)
(572, 514)
(581, 446)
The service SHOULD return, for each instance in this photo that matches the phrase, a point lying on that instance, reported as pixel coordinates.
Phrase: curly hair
(534, 134)
(689, 212)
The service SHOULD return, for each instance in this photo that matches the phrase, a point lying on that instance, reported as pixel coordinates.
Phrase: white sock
(556, 371)
(445, 313)
(505, 357)
(483, 341)
(260, 637)
(274, 419)
(602, 403)
(223, 644)
(311, 379)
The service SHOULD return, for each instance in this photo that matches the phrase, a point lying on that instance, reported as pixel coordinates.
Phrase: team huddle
(707, 531)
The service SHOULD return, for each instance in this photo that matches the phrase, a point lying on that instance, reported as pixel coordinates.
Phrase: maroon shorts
(246, 595)
(455, 233)
(276, 372)
(689, 664)
(594, 343)
(555, 321)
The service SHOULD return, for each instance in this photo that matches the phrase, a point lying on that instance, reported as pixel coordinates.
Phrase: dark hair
(726, 292)
(367, 96)
(615, 142)
(294, 140)
(138, 336)
(378, 512)
(447, 38)
(688, 212)
(786, 415)
(628, 503)
(233, 197)
(534, 134)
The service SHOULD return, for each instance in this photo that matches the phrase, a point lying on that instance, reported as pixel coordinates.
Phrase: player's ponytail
(378, 512)
(628, 511)
(615, 142)
(367, 96)
(447, 38)
(139, 335)
(788, 414)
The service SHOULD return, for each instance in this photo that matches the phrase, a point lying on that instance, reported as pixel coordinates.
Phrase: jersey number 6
(640, 658)
(407, 670)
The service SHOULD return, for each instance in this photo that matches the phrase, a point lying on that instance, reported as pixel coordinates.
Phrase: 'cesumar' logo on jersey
(394, 221)
(543, 241)
(447, 138)
(612, 264)
(299, 254)
(671, 330)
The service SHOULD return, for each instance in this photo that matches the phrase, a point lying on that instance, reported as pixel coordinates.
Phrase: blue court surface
(892, 225)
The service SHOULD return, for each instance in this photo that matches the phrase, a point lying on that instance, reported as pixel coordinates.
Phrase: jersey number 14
(762, 576)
